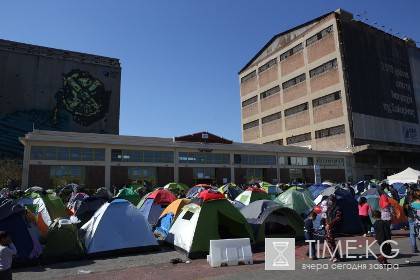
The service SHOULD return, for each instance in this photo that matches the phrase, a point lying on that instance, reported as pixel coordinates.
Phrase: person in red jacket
(334, 217)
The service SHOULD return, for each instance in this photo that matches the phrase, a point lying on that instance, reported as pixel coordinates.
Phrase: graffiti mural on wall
(83, 96)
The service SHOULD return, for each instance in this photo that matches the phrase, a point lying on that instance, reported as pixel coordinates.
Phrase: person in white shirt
(7, 251)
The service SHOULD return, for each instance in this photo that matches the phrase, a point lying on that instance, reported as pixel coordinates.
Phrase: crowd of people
(332, 217)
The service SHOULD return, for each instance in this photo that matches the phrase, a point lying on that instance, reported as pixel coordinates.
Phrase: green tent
(213, 218)
(296, 200)
(176, 188)
(130, 195)
(63, 243)
(45, 207)
(250, 195)
(270, 220)
(303, 190)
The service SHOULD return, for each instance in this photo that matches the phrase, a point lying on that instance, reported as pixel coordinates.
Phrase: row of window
(142, 156)
(299, 47)
(327, 132)
(204, 158)
(66, 153)
(296, 109)
(292, 82)
(254, 159)
(270, 118)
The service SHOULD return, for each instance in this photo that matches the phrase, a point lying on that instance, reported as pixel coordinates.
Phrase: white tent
(409, 175)
(115, 226)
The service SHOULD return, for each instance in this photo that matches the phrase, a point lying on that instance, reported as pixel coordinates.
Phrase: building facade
(96, 160)
(51, 89)
(336, 84)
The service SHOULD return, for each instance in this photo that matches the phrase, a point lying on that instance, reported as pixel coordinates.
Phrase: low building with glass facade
(102, 160)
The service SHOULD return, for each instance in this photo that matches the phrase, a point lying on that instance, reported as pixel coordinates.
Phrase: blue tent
(165, 223)
(317, 189)
(12, 220)
(348, 204)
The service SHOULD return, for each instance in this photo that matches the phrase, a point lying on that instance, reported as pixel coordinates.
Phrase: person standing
(334, 219)
(382, 235)
(394, 193)
(309, 235)
(408, 211)
(415, 206)
(364, 209)
(387, 213)
(7, 251)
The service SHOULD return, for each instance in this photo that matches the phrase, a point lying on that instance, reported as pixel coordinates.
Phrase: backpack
(416, 215)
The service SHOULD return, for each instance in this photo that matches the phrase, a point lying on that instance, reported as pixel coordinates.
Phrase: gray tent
(271, 220)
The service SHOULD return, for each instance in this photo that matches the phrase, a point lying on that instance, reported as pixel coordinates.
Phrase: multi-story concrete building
(51, 89)
(336, 84)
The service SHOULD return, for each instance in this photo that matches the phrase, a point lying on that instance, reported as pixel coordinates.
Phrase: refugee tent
(194, 191)
(63, 243)
(75, 201)
(210, 216)
(296, 200)
(273, 191)
(129, 194)
(317, 189)
(350, 212)
(176, 188)
(302, 190)
(154, 204)
(329, 191)
(169, 215)
(250, 195)
(230, 190)
(118, 226)
(398, 221)
(409, 175)
(45, 207)
(88, 207)
(268, 219)
(373, 192)
(14, 221)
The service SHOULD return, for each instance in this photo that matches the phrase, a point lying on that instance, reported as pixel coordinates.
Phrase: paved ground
(157, 266)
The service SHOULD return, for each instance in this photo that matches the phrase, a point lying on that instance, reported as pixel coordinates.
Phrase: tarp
(409, 175)
(213, 220)
(117, 226)
(271, 220)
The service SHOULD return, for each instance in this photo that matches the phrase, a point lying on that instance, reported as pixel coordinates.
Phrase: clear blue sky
(180, 58)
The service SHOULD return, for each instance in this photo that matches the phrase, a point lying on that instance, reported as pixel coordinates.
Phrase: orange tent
(175, 207)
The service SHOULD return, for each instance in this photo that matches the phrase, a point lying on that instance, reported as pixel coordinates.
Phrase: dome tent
(210, 216)
(154, 204)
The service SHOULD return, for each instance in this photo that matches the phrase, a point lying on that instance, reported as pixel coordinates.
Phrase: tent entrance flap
(277, 225)
(229, 228)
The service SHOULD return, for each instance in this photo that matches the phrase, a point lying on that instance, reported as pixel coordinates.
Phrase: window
(323, 68)
(142, 156)
(204, 158)
(296, 109)
(87, 154)
(148, 173)
(75, 154)
(275, 142)
(268, 65)
(188, 215)
(320, 35)
(271, 118)
(251, 124)
(330, 131)
(326, 99)
(63, 153)
(291, 52)
(37, 153)
(299, 138)
(250, 101)
(269, 92)
(50, 153)
(292, 82)
(300, 161)
(248, 76)
(203, 173)
(254, 159)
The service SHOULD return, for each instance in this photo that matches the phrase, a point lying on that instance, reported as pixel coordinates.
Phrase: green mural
(83, 96)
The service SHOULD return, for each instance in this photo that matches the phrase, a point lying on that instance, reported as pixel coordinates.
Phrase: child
(364, 209)
(382, 234)
(309, 235)
(324, 207)
(7, 251)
